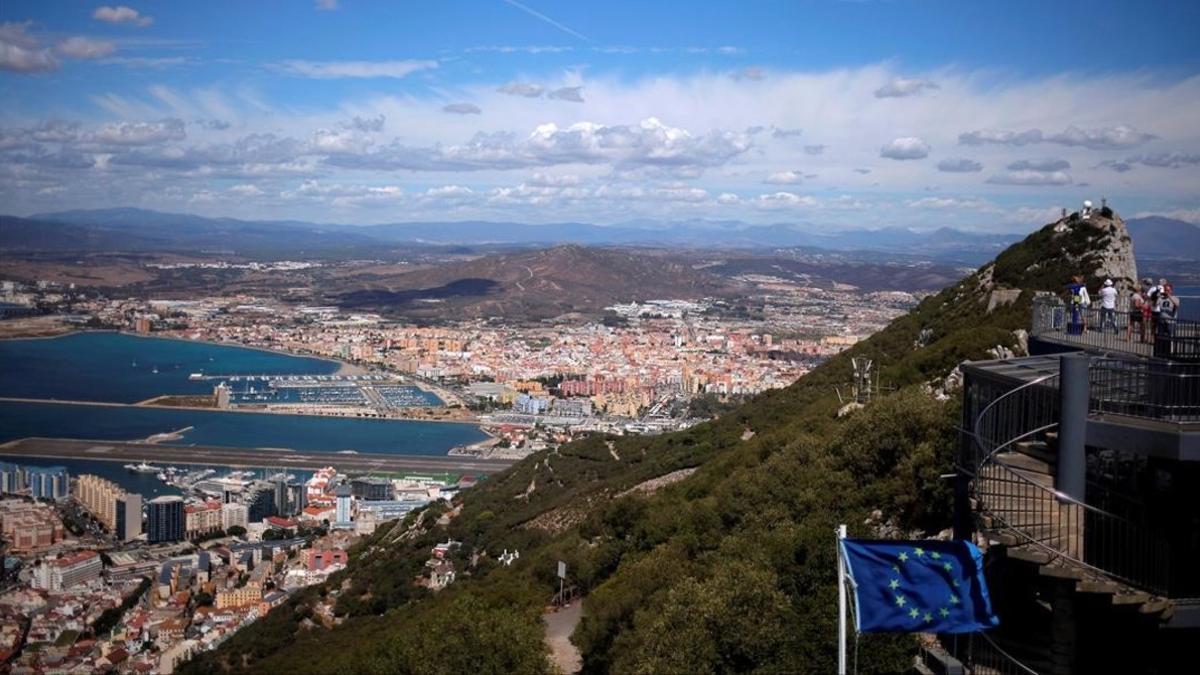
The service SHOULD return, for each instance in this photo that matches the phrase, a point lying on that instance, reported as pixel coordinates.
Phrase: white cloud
(121, 14)
(246, 190)
(552, 180)
(959, 165)
(901, 87)
(328, 70)
(814, 149)
(1048, 164)
(1030, 178)
(907, 147)
(326, 5)
(728, 198)
(85, 48)
(1105, 138)
(783, 200)
(949, 203)
(21, 53)
(784, 178)
(140, 133)
(1102, 138)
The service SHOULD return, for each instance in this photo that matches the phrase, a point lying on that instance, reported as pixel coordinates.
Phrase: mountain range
(132, 229)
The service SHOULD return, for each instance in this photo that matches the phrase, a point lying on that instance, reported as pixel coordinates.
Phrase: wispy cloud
(329, 70)
(534, 13)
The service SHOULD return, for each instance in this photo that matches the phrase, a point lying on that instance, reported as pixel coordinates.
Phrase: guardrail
(1117, 330)
(1160, 390)
(1019, 501)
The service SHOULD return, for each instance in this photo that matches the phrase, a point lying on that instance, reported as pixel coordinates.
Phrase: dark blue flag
(918, 586)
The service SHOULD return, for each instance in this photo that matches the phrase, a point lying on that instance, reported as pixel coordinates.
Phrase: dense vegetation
(730, 569)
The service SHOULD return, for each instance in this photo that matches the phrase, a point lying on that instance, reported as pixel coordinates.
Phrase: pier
(137, 451)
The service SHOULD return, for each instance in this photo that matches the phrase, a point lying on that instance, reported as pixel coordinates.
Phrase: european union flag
(918, 586)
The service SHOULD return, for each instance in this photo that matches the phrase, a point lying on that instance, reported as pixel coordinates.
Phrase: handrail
(1042, 515)
(1170, 338)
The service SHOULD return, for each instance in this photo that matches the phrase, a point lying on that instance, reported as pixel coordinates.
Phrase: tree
(236, 531)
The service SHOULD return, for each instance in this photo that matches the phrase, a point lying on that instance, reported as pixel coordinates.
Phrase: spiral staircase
(1010, 459)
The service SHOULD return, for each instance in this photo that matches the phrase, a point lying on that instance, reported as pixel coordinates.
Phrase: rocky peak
(1110, 254)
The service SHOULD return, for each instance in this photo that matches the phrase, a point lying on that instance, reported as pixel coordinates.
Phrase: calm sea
(121, 368)
(113, 367)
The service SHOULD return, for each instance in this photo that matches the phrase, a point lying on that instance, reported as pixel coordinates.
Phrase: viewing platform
(1118, 332)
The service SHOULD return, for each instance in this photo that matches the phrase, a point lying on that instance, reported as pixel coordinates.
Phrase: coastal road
(133, 452)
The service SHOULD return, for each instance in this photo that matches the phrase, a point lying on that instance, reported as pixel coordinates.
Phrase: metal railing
(1024, 503)
(1116, 330)
(1159, 390)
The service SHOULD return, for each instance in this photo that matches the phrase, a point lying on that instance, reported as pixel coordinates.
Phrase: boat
(142, 468)
(154, 370)
(196, 376)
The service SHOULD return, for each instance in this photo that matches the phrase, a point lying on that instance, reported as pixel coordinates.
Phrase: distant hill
(174, 231)
(111, 230)
(537, 284)
(1159, 237)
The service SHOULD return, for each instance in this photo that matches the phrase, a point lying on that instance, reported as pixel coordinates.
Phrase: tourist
(1139, 315)
(1078, 300)
(1152, 292)
(1108, 306)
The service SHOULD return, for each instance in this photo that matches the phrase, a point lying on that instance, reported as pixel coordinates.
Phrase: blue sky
(985, 115)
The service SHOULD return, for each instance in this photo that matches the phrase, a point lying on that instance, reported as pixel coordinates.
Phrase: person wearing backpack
(1078, 300)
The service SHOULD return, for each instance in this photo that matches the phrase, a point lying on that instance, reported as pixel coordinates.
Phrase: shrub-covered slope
(730, 568)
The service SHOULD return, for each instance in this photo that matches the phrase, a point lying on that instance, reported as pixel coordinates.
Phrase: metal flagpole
(841, 534)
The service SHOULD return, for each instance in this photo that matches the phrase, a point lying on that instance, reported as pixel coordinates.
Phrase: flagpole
(841, 534)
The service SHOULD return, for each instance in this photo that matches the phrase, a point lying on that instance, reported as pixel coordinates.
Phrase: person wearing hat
(1108, 307)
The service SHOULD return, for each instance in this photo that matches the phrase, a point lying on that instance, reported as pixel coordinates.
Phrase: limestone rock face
(1116, 259)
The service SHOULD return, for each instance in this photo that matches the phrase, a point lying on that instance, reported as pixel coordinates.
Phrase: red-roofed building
(280, 523)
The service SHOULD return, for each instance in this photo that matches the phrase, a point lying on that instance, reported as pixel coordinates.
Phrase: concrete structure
(316, 560)
(372, 489)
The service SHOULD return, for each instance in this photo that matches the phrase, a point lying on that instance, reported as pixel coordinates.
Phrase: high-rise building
(165, 519)
(259, 498)
(48, 482)
(128, 523)
(118, 511)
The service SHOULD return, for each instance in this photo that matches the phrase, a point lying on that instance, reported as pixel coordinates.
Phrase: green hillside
(729, 569)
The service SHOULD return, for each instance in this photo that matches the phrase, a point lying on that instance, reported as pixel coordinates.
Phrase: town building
(68, 570)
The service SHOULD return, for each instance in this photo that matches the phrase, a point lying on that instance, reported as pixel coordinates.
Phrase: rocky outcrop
(1115, 255)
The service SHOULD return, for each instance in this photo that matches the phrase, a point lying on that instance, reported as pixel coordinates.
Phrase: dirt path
(559, 627)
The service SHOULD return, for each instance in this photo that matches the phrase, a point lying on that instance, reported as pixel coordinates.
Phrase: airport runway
(127, 452)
